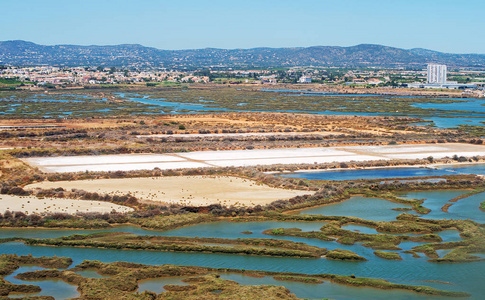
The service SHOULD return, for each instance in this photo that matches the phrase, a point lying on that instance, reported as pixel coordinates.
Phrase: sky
(454, 26)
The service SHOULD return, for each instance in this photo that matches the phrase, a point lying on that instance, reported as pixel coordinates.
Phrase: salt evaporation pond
(383, 173)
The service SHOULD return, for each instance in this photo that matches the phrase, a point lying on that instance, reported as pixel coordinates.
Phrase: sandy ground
(187, 190)
(247, 134)
(239, 158)
(28, 205)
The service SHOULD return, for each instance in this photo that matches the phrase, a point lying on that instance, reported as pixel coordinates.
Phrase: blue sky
(455, 26)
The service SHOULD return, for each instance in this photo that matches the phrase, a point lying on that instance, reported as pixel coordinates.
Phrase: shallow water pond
(156, 284)
(361, 207)
(466, 208)
(51, 287)
(368, 173)
(383, 173)
(466, 277)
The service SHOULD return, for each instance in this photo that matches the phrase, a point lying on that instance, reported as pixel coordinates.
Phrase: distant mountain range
(22, 53)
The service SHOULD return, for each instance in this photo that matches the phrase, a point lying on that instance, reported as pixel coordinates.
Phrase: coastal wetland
(440, 111)
(363, 232)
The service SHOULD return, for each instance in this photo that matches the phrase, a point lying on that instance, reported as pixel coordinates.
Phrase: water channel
(417, 271)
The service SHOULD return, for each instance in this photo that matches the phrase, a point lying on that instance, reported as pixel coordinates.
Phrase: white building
(436, 73)
(305, 79)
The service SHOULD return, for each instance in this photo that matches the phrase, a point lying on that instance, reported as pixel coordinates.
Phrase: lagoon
(386, 173)
(465, 277)
(361, 207)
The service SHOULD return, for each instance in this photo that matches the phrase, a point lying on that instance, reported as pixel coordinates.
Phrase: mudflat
(31, 204)
(186, 190)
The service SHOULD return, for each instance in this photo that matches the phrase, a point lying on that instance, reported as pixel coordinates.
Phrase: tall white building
(436, 73)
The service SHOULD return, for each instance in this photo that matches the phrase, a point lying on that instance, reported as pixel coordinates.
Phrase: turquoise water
(470, 105)
(466, 277)
(52, 287)
(450, 235)
(471, 111)
(443, 252)
(172, 107)
(156, 285)
(233, 229)
(464, 169)
(217, 229)
(367, 173)
(467, 208)
(381, 210)
(389, 172)
(327, 289)
(409, 271)
(360, 207)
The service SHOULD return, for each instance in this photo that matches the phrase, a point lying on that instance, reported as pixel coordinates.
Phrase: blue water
(464, 169)
(368, 173)
(173, 107)
(389, 172)
(466, 105)
(450, 235)
(156, 285)
(471, 111)
(466, 277)
(361, 207)
(467, 208)
(454, 120)
(443, 252)
(233, 230)
(51, 287)
(222, 229)
(415, 271)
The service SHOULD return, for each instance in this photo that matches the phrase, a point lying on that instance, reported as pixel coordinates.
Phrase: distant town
(433, 77)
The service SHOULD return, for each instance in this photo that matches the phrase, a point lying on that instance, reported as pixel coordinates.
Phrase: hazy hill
(22, 53)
